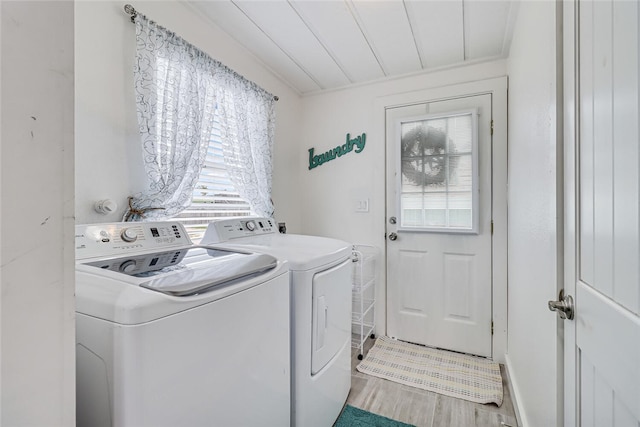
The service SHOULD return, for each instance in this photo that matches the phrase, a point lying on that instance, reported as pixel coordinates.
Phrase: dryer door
(331, 314)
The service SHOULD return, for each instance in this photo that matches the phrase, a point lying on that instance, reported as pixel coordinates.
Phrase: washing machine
(320, 271)
(175, 334)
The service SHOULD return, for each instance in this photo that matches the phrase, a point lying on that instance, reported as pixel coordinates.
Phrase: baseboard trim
(515, 393)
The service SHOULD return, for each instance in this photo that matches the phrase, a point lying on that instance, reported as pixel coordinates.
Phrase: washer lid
(220, 272)
(187, 270)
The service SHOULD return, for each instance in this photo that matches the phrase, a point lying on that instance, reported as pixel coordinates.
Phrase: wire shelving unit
(363, 281)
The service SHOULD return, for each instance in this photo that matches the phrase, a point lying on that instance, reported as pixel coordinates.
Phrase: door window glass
(439, 173)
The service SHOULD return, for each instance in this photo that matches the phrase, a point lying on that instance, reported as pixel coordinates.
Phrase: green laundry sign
(318, 159)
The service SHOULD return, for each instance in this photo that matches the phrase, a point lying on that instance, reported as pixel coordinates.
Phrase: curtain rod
(130, 10)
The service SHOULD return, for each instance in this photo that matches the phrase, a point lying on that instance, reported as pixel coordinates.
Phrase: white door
(602, 343)
(439, 196)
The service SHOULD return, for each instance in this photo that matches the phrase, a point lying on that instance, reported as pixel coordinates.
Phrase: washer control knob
(250, 225)
(129, 235)
(128, 266)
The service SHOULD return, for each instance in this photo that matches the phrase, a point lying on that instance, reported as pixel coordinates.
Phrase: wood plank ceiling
(317, 45)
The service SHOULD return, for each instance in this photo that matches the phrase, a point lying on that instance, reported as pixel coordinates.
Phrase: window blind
(214, 195)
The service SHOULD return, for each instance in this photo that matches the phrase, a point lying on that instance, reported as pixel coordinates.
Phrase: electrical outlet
(362, 205)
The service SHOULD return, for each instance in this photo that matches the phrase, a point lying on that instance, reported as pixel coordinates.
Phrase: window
(438, 184)
(214, 195)
(180, 92)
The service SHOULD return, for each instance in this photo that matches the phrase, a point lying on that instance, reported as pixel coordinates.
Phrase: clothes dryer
(320, 271)
(172, 334)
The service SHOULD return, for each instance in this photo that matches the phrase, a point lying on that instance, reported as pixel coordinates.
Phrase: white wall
(330, 191)
(36, 215)
(108, 152)
(534, 214)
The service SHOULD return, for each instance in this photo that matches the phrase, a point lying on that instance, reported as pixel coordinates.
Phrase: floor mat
(453, 374)
(355, 417)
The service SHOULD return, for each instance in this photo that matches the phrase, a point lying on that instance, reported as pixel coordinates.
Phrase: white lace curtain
(247, 119)
(179, 91)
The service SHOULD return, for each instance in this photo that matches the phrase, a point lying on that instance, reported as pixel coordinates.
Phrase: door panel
(439, 289)
(604, 326)
(607, 410)
(626, 178)
(413, 266)
(459, 284)
(609, 150)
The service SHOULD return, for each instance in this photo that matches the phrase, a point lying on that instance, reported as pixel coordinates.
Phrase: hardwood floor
(424, 408)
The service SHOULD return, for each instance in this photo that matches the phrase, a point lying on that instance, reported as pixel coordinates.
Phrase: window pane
(411, 170)
(460, 173)
(421, 138)
(460, 218)
(435, 217)
(460, 134)
(428, 173)
(412, 217)
(435, 205)
(460, 210)
(411, 208)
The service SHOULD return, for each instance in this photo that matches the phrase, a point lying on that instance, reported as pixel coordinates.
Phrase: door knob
(564, 306)
(393, 236)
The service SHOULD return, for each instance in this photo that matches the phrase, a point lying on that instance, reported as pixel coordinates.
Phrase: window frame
(475, 175)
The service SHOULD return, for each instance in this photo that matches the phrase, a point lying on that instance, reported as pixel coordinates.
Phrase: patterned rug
(452, 374)
(356, 417)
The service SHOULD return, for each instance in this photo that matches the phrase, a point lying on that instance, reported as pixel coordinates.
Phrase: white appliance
(320, 270)
(172, 334)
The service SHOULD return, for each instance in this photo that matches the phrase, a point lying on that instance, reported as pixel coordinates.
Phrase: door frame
(497, 87)
(567, 330)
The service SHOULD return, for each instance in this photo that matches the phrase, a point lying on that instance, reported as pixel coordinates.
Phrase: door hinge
(491, 127)
(492, 227)
(492, 327)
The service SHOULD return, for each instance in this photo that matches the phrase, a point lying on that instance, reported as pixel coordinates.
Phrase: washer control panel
(137, 264)
(116, 238)
(228, 229)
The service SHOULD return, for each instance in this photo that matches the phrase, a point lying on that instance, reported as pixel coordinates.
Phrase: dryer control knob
(129, 235)
(128, 266)
(250, 225)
